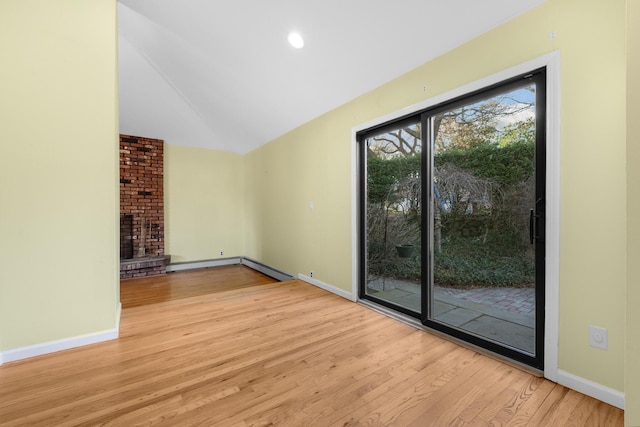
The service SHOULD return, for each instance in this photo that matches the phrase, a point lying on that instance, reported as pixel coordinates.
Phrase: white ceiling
(221, 75)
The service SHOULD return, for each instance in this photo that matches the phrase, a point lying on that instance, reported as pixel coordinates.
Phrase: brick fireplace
(141, 207)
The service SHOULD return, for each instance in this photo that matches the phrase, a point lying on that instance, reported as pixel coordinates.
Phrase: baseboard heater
(221, 262)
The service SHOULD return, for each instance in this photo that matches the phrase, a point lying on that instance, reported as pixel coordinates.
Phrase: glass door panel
(393, 214)
(483, 206)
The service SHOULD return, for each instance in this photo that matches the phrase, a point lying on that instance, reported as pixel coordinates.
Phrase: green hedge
(507, 165)
(480, 249)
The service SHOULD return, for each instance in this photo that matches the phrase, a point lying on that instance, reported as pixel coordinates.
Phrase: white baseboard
(193, 265)
(118, 316)
(595, 390)
(327, 287)
(64, 344)
(59, 345)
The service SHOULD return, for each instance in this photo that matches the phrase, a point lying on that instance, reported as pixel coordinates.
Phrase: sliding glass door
(393, 216)
(452, 217)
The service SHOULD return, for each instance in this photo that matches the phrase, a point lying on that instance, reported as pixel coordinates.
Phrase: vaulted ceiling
(221, 74)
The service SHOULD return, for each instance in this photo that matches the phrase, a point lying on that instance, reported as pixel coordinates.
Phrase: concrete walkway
(503, 315)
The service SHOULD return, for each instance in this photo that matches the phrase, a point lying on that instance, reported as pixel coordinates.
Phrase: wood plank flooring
(151, 290)
(231, 347)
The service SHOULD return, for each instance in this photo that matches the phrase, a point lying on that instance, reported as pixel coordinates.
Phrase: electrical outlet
(598, 337)
(221, 253)
(311, 274)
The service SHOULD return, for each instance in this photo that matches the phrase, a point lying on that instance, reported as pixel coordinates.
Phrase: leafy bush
(469, 263)
(464, 264)
(487, 247)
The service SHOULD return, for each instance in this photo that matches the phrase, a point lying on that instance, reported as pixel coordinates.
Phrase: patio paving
(504, 315)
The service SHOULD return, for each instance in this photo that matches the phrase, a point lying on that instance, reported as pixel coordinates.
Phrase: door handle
(531, 232)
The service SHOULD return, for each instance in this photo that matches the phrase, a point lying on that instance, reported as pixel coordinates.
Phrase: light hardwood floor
(231, 347)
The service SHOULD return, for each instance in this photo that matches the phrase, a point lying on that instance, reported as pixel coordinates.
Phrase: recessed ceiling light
(296, 40)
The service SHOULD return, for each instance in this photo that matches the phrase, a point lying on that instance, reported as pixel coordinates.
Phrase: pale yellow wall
(285, 177)
(58, 170)
(313, 163)
(632, 365)
(593, 231)
(204, 203)
(58, 175)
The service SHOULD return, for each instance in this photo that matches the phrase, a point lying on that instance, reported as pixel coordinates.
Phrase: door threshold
(416, 324)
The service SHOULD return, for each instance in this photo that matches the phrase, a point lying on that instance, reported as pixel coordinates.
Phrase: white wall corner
(327, 287)
(597, 391)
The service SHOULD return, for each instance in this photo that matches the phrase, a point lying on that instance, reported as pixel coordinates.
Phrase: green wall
(58, 170)
(632, 365)
(204, 198)
(313, 163)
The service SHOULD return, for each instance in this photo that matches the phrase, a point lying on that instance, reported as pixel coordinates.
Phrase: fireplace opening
(126, 236)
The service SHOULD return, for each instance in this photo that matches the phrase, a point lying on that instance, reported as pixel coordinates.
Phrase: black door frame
(539, 77)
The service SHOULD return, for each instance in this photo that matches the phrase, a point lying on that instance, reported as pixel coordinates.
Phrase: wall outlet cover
(598, 337)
